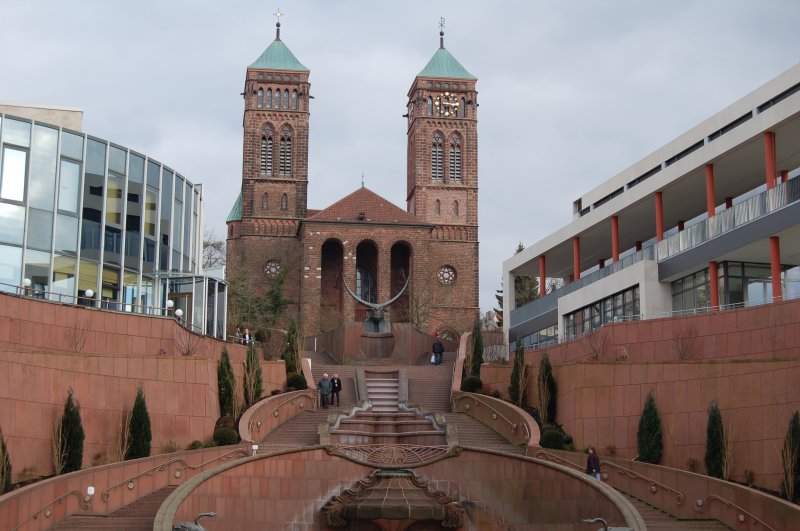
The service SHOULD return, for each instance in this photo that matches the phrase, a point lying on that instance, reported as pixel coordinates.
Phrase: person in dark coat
(438, 349)
(336, 388)
(324, 387)
(593, 463)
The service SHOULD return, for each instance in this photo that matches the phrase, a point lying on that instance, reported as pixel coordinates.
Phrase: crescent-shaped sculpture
(376, 310)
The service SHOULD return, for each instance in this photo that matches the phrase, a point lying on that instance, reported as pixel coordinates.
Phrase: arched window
(284, 202)
(294, 100)
(286, 152)
(277, 99)
(455, 208)
(436, 158)
(265, 201)
(286, 99)
(430, 106)
(437, 207)
(269, 98)
(266, 151)
(462, 110)
(455, 158)
(260, 98)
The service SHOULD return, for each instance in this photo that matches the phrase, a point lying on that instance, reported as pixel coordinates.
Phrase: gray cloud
(570, 92)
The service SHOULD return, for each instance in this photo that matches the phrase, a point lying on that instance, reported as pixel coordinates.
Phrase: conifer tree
(515, 391)
(141, 436)
(548, 391)
(649, 437)
(253, 383)
(715, 442)
(5, 466)
(226, 384)
(291, 352)
(477, 349)
(72, 434)
(790, 460)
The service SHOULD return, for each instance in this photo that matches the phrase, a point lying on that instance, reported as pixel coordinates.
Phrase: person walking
(336, 388)
(324, 387)
(438, 349)
(593, 463)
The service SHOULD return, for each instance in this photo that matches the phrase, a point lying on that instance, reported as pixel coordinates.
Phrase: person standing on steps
(324, 387)
(438, 349)
(336, 388)
(593, 463)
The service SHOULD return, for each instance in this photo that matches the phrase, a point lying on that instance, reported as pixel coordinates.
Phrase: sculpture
(188, 526)
(376, 310)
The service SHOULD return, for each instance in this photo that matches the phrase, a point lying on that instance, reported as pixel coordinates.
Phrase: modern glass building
(85, 221)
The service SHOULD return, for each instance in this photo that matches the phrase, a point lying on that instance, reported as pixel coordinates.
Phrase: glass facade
(80, 215)
(622, 306)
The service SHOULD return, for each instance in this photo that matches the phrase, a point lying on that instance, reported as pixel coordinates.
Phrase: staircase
(138, 516)
(660, 521)
(429, 385)
(383, 391)
(322, 363)
(301, 430)
(474, 433)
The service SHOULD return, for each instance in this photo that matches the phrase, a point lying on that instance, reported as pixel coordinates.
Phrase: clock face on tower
(446, 104)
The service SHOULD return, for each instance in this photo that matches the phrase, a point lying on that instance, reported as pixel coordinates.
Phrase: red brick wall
(39, 363)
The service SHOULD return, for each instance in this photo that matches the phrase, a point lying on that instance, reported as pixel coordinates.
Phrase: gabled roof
(443, 64)
(376, 209)
(278, 57)
(236, 211)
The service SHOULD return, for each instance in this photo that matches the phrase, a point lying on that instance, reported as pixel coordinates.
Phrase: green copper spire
(236, 211)
(443, 64)
(278, 57)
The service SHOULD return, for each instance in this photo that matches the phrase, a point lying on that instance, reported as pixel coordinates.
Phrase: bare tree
(214, 254)
(59, 446)
(727, 459)
(684, 340)
(79, 332)
(123, 438)
(596, 343)
(187, 342)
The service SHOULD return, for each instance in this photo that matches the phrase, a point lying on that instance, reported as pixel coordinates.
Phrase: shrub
(275, 392)
(141, 436)
(553, 439)
(649, 439)
(496, 394)
(195, 445)
(225, 436)
(548, 390)
(790, 460)
(226, 383)
(291, 354)
(72, 435)
(253, 384)
(477, 350)
(514, 390)
(296, 381)
(715, 442)
(471, 384)
(5, 466)
(169, 447)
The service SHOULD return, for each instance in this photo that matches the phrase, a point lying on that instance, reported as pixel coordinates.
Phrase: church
(361, 243)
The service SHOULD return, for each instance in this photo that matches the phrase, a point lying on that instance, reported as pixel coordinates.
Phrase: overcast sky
(571, 92)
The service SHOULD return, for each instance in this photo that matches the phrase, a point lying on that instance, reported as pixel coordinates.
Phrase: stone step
(657, 520)
(137, 516)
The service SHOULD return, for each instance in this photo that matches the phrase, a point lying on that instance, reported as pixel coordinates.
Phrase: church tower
(442, 180)
(264, 222)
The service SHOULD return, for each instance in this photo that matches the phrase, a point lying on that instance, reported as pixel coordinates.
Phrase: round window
(272, 268)
(447, 275)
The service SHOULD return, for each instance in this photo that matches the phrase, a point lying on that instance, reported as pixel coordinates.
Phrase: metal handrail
(700, 506)
(496, 414)
(131, 481)
(85, 502)
(274, 411)
(679, 497)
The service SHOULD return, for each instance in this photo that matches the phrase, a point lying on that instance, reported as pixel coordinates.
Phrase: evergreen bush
(141, 436)
(515, 390)
(291, 353)
(548, 390)
(72, 435)
(471, 384)
(253, 384)
(553, 439)
(296, 381)
(477, 350)
(225, 436)
(790, 461)
(715, 442)
(195, 445)
(5, 466)
(649, 438)
(226, 383)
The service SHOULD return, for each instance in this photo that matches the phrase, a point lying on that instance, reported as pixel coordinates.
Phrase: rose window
(447, 275)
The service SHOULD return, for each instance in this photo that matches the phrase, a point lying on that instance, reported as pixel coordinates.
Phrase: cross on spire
(278, 16)
(441, 32)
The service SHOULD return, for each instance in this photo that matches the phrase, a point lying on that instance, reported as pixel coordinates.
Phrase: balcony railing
(742, 213)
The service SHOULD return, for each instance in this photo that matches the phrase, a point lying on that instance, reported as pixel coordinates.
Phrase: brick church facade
(362, 240)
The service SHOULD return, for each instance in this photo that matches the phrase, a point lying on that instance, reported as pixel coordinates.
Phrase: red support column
(615, 238)
(711, 203)
(576, 257)
(542, 276)
(659, 217)
(713, 284)
(775, 267)
(769, 158)
(784, 176)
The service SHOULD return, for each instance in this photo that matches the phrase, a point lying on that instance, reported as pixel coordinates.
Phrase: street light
(170, 304)
(89, 294)
(26, 283)
(178, 313)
